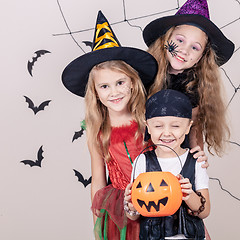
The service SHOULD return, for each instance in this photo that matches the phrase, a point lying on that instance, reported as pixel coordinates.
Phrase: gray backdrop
(49, 202)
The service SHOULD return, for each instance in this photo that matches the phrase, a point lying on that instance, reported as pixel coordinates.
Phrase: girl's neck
(119, 119)
(173, 71)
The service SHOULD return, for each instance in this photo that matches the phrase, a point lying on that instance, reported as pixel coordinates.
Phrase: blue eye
(104, 86)
(179, 40)
(120, 83)
(196, 48)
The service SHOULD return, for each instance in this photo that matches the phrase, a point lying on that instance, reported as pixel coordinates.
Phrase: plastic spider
(171, 47)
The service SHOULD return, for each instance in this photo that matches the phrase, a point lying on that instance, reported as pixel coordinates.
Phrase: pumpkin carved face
(156, 194)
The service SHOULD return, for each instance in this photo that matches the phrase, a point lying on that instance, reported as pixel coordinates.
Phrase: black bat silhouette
(34, 108)
(38, 53)
(36, 163)
(78, 134)
(88, 43)
(85, 182)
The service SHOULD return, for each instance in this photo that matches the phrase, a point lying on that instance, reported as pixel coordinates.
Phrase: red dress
(112, 223)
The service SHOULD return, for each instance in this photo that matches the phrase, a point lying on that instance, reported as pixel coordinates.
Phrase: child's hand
(186, 187)
(200, 155)
(128, 198)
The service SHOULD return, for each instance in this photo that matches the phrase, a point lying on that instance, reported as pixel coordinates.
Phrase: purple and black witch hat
(106, 47)
(196, 13)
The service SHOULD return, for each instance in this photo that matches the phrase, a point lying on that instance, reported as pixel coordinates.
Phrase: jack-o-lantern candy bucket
(156, 194)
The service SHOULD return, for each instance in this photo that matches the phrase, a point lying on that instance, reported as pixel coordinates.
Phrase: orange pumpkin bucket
(156, 194)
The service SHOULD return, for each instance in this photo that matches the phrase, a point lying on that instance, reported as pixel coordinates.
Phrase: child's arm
(195, 202)
(98, 173)
(196, 140)
(200, 156)
(131, 212)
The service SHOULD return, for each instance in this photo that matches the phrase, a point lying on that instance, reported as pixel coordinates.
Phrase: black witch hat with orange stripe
(106, 47)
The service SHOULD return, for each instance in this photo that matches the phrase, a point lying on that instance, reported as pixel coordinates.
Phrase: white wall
(48, 202)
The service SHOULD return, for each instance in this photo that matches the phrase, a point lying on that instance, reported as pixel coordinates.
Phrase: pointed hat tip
(195, 7)
(104, 36)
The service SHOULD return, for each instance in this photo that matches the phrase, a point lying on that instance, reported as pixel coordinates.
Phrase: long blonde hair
(211, 117)
(97, 118)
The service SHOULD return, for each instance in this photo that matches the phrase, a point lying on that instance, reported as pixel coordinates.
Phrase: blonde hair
(211, 117)
(97, 118)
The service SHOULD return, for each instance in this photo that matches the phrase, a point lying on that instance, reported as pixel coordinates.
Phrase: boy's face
(169, 131)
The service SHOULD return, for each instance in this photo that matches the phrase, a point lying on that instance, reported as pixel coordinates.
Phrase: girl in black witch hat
(189, 49)
(112, 80)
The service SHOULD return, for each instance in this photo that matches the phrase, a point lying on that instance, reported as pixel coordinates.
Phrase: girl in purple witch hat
(189, 48)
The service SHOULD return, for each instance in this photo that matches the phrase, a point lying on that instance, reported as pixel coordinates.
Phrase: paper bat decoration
(35, 108)
(38, 54)
(81, 179)
(80, 133)
(88, 43)
(37, 162)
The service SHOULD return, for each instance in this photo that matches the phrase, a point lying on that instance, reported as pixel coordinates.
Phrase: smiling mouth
(117, 100)
(180, 58)
(166, 141)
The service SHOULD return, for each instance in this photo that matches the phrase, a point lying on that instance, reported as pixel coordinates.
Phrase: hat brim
(75, 75)
(223, 47)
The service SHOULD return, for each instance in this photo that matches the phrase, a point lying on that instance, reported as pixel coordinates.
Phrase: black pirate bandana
(168, 103)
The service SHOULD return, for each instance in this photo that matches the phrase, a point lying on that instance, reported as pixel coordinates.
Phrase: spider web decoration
(129, 21)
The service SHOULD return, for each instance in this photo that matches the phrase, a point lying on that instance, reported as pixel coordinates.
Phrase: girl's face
(169, 131)
(191, 42)
(113, 89)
